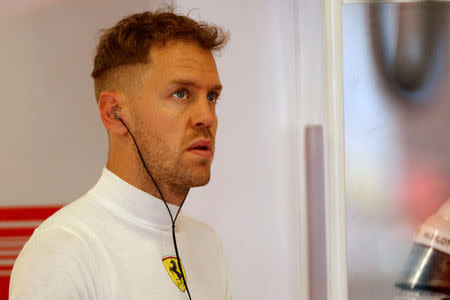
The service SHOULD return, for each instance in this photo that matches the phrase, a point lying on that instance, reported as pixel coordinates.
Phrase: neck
(135, 174)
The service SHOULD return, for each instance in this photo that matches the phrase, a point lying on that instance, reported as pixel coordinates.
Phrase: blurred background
(396, 61)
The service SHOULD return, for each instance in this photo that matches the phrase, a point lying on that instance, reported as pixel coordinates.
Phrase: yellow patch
(171, 265)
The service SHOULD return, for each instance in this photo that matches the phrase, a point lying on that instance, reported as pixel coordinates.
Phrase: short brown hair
(129, 41)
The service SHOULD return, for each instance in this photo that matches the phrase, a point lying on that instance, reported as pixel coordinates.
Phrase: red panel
(8, 256)
(12, 247)
(4, 287)
(26, 213)
(6, 268)
(16, 232)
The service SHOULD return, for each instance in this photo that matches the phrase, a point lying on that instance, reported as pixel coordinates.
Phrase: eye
(212, 96)
(181, 93)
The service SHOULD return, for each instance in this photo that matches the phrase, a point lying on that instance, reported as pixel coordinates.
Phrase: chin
(200, 180)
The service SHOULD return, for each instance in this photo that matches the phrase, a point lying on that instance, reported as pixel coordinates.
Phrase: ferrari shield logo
(172, 267)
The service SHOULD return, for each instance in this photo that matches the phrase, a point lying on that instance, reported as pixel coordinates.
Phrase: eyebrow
(217, 87)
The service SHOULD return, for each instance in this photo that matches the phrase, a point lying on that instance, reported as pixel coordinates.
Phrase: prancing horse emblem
(171, 265)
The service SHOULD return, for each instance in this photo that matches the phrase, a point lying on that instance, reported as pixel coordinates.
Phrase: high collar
(131, 202)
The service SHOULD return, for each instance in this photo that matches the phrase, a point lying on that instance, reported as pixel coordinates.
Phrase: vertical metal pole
(335, 176)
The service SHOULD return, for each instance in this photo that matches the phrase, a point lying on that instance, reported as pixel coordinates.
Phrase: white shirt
(111, 243)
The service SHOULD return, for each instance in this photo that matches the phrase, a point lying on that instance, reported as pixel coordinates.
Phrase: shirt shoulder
(62, 259)
(54, 264)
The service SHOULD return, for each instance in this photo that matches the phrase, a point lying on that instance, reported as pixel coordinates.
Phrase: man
(156, 85)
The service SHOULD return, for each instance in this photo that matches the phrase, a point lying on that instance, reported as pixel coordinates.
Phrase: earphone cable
(171, 217)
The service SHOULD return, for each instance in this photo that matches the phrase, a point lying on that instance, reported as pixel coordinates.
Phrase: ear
(108, 103)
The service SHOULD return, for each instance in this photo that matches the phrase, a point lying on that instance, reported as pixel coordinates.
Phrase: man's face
(175, 109)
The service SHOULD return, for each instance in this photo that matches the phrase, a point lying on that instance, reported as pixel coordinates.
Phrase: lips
(201, 148)
(204, 145)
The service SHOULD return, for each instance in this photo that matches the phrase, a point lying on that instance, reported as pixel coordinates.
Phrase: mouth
(201, 152)
(201, 148)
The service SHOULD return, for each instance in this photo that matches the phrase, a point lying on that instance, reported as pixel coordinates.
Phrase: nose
(204, 114)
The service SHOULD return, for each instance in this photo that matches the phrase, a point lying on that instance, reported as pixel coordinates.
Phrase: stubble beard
(177, 171)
